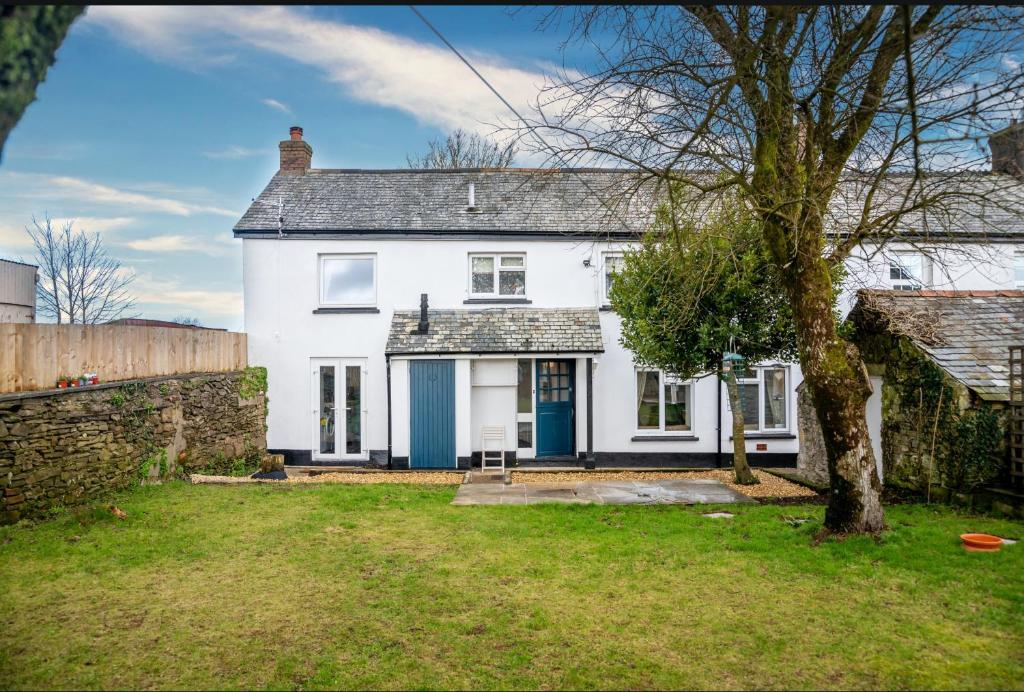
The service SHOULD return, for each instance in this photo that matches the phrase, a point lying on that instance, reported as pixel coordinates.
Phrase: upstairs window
(497, 275)
(612, 264)
(663, 403)
(1018, 269)
(906, 271)
(348, 280)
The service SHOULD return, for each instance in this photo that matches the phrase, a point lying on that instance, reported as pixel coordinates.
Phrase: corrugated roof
(966, 333)
(497, 330)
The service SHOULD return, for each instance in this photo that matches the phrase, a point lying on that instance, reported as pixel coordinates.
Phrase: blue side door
(432, 414)
(555, 403)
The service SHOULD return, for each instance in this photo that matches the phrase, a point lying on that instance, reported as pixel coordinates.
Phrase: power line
(529, 127)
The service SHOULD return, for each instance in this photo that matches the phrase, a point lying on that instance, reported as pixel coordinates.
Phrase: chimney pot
(424, 324)
(1007, 147)
(296, 155)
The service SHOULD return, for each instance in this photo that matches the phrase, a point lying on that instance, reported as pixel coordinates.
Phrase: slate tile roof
(508, 201)
(498, 330)
(588, 201)
(966, 333)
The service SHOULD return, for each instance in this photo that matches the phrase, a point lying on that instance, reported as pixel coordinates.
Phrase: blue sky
(156, 126)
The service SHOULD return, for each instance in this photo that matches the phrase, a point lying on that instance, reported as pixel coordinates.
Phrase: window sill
(606, 308)
(767, 436)
(664, 438)
(346, 311)
(498, 301)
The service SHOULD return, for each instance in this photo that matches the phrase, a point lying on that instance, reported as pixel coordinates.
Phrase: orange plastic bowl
(981, 542)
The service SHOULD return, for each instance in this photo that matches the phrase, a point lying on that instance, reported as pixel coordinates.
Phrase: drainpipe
(718, 381)
(387, 367)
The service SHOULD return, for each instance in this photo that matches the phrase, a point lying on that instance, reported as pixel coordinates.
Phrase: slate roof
(594, 202)
(966, 333)
(498, 330)
(508, 201)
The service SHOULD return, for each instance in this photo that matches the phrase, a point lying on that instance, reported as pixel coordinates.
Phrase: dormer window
(497, 275)
(906, 271)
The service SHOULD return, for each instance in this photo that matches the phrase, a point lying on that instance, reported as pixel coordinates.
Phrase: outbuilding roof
(497, 330)
(966, 333)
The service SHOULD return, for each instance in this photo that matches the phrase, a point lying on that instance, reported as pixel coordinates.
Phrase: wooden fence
(33, 356)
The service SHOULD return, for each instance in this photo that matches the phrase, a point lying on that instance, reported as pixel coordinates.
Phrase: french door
(339, 409)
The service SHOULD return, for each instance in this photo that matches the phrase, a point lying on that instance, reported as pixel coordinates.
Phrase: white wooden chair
(492, 447)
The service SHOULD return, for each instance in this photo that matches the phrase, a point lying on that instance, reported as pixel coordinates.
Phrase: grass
(391, 587)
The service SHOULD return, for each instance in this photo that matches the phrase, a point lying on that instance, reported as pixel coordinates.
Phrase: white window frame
(759, 381)
(343, 255)
(905, 284)
(663, 379)
(496, 283)
(1018, 264)
(603, 277)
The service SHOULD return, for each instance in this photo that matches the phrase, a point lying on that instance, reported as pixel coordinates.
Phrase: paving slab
(667, 491)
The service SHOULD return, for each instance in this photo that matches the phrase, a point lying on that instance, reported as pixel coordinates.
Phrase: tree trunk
(839, 386)
(744, 476)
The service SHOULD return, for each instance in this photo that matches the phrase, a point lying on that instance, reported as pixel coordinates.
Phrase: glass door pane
(327, 410)
(353, 409)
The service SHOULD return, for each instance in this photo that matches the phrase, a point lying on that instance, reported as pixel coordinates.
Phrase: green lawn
(391, 587)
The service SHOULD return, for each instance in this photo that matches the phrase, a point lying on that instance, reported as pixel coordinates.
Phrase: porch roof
(497, 330)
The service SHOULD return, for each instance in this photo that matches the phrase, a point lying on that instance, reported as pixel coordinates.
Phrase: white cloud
(233, 152)
(216, 246)
(150, 291)
(423, 79)
(65, 188)
(274, 103)
(15, 239)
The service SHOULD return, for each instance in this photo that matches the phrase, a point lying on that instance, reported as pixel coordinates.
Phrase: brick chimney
(1007, 147)
(296, 155)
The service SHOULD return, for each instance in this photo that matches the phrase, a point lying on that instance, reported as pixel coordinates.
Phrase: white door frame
(339, 396)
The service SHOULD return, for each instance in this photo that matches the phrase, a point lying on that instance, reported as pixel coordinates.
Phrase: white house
(516, 334)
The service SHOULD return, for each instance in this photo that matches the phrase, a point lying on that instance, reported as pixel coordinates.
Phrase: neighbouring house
(939, 362)
(18, 291)
(402, 312)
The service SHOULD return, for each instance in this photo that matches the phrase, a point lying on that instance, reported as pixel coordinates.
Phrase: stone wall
(811, 459)
(64, 447)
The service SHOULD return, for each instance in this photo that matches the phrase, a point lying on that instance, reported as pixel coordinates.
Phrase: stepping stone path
(719, 515)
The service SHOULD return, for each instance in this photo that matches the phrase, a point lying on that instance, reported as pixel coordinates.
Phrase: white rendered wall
(280, 284)
(494, 399)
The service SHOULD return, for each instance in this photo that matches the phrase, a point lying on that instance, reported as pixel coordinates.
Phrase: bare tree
(79, 281)
(462, 149)
(187, 321)
(843, 127)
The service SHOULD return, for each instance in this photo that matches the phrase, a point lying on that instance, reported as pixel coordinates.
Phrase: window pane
(677, 415)
(748, 397)
(612, 264)
(647, 400)
(327, 409)
(512, 283)
(513, 261)
(1018, 269)
(775, 398)
(905, 268)
(348, 281)
(353, 413)
(525, 435)
(483, 274)
(525, 389)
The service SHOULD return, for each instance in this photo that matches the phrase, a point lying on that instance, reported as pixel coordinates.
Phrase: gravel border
(348, 477)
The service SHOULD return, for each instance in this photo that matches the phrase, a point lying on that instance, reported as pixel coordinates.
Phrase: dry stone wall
(61, 448)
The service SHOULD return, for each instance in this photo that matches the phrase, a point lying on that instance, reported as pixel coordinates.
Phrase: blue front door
(555, 404)
(432, 414)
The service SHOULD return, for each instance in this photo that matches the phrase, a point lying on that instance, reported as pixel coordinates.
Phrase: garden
(306, 586)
